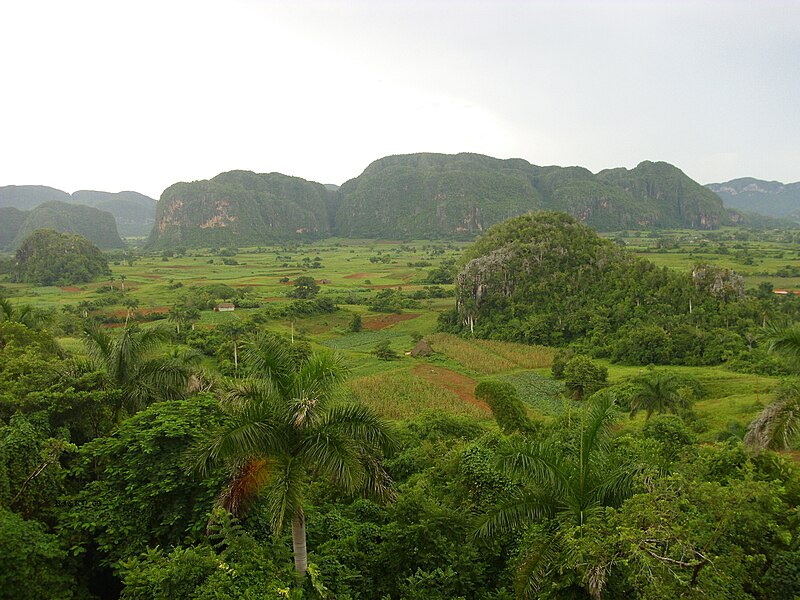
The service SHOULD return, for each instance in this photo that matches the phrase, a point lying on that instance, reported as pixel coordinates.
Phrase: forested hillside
(47, 257)
(134, 213)
(96, 225)
(418, 196)
(546, 278)
(240, 207)
(439, 195)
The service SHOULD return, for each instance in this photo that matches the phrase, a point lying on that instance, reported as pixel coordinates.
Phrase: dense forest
(546, 278)
(211, 456)
(47, 257)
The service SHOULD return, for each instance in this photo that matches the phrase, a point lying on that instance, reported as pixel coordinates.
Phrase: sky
(119, 95)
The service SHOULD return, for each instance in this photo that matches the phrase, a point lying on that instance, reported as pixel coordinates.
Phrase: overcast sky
(115, 95)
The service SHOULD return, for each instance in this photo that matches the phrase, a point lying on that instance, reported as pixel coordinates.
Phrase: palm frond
(249, 435)
(537, 562)
(247, 480)
(778, 425)
(358, 423)
(336, 456)
(283, 492)
(517, 510)
(535, 462)
(783, 339)
(269, 358)
(237, 394)
(596, 424)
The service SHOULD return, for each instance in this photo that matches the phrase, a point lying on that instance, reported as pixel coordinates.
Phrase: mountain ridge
(769, 198)
(133, 212)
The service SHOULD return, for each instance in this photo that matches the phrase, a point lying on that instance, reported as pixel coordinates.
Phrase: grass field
(406, 387)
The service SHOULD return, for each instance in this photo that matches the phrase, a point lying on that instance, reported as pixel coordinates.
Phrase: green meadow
(354, 272)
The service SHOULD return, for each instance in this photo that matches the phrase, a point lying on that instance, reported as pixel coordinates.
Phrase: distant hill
(439, 195)
(95, 225)
(11, 220)
(240, 208)
(26, 197)
(133, 212)
(770, 198)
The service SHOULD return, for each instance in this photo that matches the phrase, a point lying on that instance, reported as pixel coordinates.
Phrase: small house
(224, 307)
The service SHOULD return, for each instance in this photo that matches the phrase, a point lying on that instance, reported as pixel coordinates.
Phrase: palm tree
(784, 340)
(778, 425)
(657, 391)
(131, 304)
(559, 489)
(283, 428)
(135, 364)
(24, 314)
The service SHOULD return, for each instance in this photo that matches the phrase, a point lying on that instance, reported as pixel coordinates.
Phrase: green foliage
(304, 287)
(560, 360)
(50, 258)
(355, 323)
(236, 567)
(583, 377)
(32, 561)
(508, 410)
(137, 365)
(281, 426)
(544, 278)
(658, 391)
(135, 490)
(384, 351)
(670, 431)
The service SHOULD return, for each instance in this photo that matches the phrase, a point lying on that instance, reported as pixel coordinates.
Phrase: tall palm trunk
(299, 543)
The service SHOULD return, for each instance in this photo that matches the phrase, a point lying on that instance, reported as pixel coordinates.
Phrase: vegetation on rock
(47, 257)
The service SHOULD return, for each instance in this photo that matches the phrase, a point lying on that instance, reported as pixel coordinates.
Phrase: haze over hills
(94, 224)
(133, 212)
(770, 198)
(429, 196)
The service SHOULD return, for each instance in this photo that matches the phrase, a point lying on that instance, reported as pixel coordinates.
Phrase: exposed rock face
(240, 208)
(723, 284)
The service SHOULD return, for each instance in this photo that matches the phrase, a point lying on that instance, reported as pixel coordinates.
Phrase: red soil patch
(357, 276)
(151, 276)
(384, 321)
(70, 288)
(461, 385)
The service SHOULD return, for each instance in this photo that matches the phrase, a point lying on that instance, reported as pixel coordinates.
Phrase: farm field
(354, 273)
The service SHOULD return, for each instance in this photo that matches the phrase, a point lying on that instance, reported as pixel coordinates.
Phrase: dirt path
(461, 385)
(384, 321)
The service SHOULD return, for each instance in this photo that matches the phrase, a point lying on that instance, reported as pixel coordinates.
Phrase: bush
(384, 351)
(507, 408)
(583, 377)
